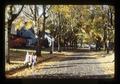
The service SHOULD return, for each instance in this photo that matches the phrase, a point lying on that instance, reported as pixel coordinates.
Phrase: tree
(37, 13)
(60, 12)
(79, 22)
(10, 17)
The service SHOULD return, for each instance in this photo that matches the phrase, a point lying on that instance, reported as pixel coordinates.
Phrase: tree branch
(28, 14)
(15, 16)
(31, 10)
(37, 11)
(49, 8)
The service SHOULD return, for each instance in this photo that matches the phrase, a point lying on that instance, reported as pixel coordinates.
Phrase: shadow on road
(15, 63)
(68, 58)
(67, 76)
(72, 65)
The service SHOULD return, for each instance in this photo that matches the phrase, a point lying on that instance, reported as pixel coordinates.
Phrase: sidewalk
(17, 60)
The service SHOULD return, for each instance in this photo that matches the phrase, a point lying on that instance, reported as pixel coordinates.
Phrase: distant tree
(83, 23)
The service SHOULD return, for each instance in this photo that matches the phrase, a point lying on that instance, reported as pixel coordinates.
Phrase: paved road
(72, 65)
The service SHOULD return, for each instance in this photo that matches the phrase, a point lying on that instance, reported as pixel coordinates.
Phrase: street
(72, 65)
(67, 43)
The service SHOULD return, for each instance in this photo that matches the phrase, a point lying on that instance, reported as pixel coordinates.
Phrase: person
(28, 59)
(34, 59)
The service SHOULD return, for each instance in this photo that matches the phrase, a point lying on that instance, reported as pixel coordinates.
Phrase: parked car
(85, 46)
(92, 46)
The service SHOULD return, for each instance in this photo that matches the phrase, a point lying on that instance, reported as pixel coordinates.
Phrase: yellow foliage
(82, 30)
(100, 18)
(62, 9)
(29, 25)
(18, 24)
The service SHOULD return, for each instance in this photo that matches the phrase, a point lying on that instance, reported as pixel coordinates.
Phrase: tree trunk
(52, 46)
(7, 32)
(66, 44)
(72, 45)
(75, 44)
(8, 58)
(59, 35)
(9, 23)
(81, 42)
(35, 18)
(63, 45)
(38, 47)
(6, 45)
(41, 34)
(59, 46)
(104, 39)
(39, 43)
(107, 47)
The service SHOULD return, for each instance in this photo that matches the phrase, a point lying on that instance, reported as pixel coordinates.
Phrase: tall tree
(11, 15)
(37, 13)
(87, 25)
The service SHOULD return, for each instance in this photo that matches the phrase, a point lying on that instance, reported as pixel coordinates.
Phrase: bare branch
(31, 10)
(28, 14)
(37, 11)
(17, 13)
(35, 17)
(49, 8)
